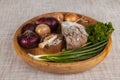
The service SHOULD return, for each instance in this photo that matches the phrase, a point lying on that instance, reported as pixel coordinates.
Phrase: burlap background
(14, 12)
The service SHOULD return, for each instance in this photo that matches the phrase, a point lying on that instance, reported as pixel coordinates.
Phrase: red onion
(51, 22)
(29, 39)
(29, 26)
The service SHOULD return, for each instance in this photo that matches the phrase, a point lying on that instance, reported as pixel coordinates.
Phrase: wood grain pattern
(73, 67)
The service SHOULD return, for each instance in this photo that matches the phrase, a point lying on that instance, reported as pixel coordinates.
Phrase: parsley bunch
(99, 31)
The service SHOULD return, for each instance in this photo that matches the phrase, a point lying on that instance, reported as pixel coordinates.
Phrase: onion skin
(71, 17)
(42, 30)
(28, 39)
(52, 22)
(29, 26)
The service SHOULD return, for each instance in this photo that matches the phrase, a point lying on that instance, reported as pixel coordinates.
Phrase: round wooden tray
(73, 67)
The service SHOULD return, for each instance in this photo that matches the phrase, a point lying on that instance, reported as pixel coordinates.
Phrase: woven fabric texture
(14, 12)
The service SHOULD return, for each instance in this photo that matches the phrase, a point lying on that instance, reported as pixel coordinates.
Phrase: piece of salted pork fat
(75, 34)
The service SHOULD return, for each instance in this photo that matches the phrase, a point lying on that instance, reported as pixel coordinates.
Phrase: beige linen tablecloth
(14, 12)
